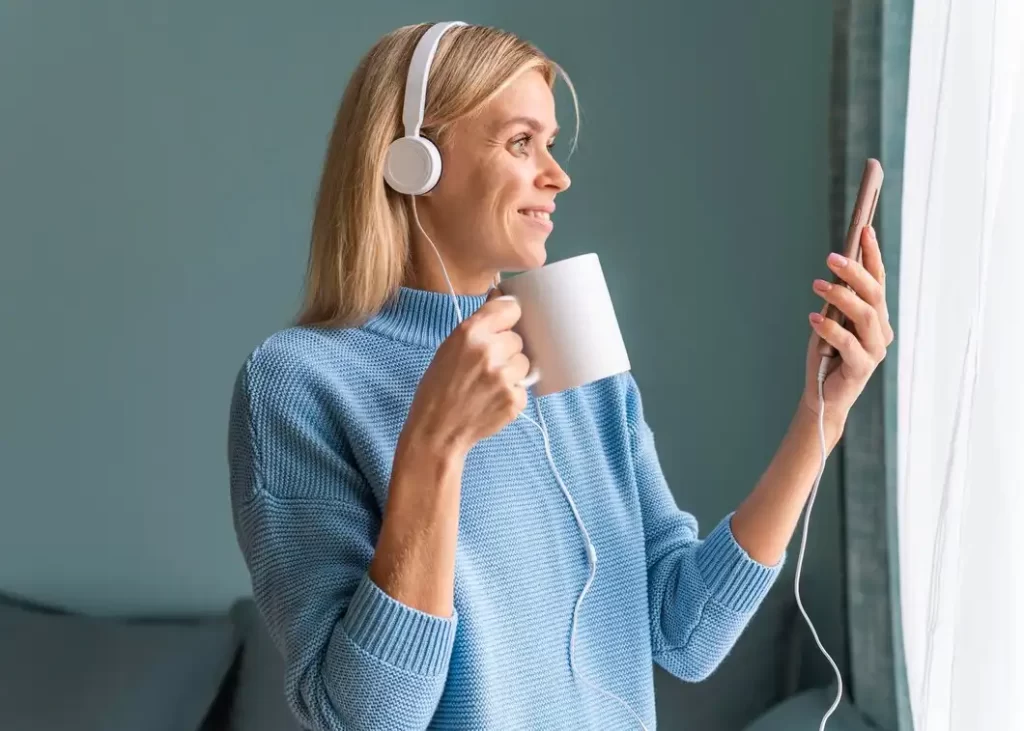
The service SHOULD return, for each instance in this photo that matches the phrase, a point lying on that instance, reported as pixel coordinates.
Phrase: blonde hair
(360, 239)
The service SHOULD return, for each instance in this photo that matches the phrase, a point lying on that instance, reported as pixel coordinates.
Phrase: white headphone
(413, 163)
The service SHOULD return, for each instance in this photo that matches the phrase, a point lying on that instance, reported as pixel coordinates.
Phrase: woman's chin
(529, 257)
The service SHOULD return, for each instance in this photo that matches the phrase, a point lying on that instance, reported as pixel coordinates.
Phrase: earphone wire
(591, 552)
(444, 270)
(591, 559)
(822, 373)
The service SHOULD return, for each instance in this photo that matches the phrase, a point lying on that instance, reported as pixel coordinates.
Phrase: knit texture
(315, 418)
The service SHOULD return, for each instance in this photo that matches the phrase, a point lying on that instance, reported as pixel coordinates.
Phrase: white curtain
(961, 371)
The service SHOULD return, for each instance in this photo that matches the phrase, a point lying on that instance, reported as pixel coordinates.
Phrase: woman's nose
(555, 177)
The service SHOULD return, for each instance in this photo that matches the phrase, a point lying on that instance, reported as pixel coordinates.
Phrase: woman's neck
(425, 272)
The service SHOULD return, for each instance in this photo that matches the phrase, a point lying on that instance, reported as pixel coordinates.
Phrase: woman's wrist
(430, 438)
(414, 559)
(426, 445)
(805, 421)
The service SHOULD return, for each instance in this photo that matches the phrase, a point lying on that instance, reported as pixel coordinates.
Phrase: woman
(409, 547)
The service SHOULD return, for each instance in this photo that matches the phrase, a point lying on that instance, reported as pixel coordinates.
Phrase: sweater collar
(422, 318)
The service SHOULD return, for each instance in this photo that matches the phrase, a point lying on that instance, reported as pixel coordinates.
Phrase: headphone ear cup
(412, 165)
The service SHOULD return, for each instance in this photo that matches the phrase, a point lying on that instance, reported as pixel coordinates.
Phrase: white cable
(591, 551)
(822, 373)
(455, 301)
(591, 559)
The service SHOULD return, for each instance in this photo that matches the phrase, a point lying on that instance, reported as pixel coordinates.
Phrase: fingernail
(506, 297)
(872, 234)
(816, 318)
(821, 285)
(837, 260)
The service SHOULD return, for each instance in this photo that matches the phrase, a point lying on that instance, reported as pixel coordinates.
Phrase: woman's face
(491, 210)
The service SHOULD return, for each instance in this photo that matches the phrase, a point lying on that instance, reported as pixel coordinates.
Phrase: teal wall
(159, 163)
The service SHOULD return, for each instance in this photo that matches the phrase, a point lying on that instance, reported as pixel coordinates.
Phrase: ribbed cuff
(731, 575)
(397, 634)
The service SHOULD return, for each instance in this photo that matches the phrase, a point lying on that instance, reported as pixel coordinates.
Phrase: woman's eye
(521, 144)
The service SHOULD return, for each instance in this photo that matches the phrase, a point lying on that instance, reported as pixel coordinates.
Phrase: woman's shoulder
(298, 358)
(295, 348)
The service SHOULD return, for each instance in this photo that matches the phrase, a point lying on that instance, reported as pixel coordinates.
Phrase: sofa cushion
(66, 672)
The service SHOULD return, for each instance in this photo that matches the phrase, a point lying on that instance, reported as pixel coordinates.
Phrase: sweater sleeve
(701, 593)
(307, 524)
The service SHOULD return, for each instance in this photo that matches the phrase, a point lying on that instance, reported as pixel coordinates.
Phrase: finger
(871, 255)
(850, 349)
(497, 315)
(875, 266)
(517, 402)
(854, 274)
(864, 317)
(517, 369)
(506, 345)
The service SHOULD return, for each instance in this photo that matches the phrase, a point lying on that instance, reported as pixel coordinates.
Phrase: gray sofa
(61, 671)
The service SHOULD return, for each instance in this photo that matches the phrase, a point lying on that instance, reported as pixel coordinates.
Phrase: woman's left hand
(862, 347)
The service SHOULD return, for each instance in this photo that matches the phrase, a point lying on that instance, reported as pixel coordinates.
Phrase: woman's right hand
(471, 389)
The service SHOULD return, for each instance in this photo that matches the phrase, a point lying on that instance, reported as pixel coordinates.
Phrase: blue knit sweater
(314, 421)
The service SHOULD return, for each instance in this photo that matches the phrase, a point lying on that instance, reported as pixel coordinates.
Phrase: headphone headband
(419, 72)
(413, 164)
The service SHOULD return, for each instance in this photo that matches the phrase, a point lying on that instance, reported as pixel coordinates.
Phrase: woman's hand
(862, 347)
(471, 389)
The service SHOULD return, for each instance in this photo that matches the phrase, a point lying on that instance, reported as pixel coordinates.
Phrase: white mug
(568, 325)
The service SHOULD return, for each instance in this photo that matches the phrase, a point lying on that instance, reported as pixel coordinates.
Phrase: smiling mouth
(539, 215)
(540, 218)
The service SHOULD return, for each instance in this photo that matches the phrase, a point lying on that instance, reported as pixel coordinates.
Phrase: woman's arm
(359, 598)
(414, 560)
(308, 525)
(764, 522)
(469, 392)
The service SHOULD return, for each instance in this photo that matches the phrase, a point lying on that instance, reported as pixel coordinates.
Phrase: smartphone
(863, 215)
